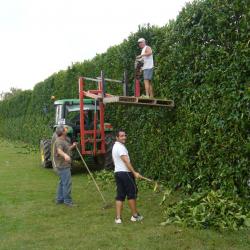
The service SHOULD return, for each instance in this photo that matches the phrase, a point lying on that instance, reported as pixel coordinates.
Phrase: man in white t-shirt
(125, 178)
(148, 66)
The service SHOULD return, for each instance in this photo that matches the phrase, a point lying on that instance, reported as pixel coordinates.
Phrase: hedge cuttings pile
(211, 209)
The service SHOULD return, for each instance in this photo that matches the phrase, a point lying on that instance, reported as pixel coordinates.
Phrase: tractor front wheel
(45, 152)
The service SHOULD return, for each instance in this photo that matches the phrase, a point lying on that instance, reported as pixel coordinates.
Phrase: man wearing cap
(148, 65)
(62, 164)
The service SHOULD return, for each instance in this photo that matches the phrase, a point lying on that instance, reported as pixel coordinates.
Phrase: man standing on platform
(148, 66)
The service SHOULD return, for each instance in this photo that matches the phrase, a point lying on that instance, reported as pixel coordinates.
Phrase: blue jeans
(64, 186)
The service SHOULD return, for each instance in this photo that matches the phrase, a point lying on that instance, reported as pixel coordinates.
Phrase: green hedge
(202, 62)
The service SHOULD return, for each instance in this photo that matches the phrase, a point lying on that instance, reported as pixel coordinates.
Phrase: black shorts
(125, 186)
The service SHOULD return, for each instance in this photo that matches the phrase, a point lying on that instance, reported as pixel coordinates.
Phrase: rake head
(107, 206)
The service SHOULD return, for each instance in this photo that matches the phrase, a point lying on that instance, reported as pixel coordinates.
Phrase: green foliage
(104, 176)
(202, 63)
(209, 209)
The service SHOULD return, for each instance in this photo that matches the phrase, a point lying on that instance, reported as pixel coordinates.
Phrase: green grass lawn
(29, 219)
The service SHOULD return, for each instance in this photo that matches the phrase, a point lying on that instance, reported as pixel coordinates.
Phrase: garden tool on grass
(156, 186)
(106, 205)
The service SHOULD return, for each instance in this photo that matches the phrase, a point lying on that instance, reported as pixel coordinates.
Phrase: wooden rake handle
(91, 175)
(147, 179)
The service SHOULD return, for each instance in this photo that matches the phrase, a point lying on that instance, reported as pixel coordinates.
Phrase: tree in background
(11, 93)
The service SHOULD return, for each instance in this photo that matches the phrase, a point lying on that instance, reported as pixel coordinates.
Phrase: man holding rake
(125, 179)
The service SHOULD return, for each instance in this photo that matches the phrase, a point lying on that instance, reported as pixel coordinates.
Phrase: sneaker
(70, 204)
(58, 202)
(144, 96)
(118, 221)
(137, 217)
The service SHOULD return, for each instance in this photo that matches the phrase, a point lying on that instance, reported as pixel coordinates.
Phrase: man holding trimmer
(125, 179)
(148, 66)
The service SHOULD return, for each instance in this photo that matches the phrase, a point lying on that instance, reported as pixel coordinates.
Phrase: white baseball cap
(141, 40)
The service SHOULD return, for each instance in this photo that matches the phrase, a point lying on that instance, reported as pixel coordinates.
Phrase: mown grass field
(30, 220)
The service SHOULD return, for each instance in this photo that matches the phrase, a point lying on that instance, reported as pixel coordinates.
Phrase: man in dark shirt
(62, 163)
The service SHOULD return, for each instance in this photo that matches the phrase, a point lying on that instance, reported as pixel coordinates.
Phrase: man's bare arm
(73, 146)
(64, 155)
(148, 52)
(125, 159)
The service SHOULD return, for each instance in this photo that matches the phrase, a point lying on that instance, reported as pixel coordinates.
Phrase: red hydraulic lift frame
(90, 135)
(137, 88)
(96, 136)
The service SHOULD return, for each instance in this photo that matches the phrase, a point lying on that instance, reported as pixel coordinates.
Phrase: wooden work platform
(139, 101)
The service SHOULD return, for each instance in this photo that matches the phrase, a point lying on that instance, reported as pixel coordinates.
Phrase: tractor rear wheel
(105, 161)
(109, 143)
(52, 148)
(45, 152)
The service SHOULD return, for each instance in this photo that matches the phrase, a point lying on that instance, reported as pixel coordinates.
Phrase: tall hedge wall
(202, 62)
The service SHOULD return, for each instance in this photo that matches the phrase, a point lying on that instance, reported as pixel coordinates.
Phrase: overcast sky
(41, 37)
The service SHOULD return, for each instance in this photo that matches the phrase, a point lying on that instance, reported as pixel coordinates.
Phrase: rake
(105, 204)
(156, 185)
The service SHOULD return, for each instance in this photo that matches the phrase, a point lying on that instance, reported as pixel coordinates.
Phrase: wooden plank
(146, 101)
(110, 99)
(145, 104)
(139, 101)
(127, 99)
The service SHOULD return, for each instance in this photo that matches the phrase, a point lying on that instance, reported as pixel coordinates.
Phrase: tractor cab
(67, 112)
